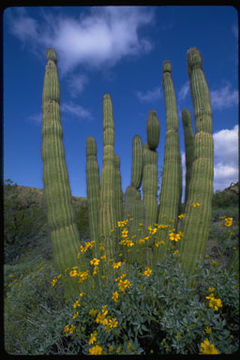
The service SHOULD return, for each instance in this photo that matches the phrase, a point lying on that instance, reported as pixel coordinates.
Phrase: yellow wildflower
(207, 348)
(69, 329)
(124, 284)
(54, 282)
(117, 265)
(115, 296)
(110, 348)
(214, 262)
(73, 273)
(83, 276)
(182, 216)
(101, 247)
(94, 262)
(211, 289)
(103, 257)
(121, 277)
(196, 204)
(228, 222)
(75, 315)
(96, 350)
(76, 304)
(176, 252)
(112, 323)
(214, 303)
(147, 272)
(93, 338)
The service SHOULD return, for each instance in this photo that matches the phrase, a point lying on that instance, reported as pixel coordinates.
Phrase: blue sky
(116, 50)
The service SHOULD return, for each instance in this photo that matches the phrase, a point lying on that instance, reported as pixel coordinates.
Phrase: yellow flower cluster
(122, 223)
(127, 242)
(124, 284)
(228, 222)
(115, 296)
(207, 348)
(88, 244)
(95, 262)
(124, 233)
(120, 277)
(117, 265)
(152, 230)
(147, 272)
(214, 303)
(196, 204)
(69, 329)
(182, 216)
(83, 275)
(108, 322)
(175, 236)
(96, 350)
(162, 227)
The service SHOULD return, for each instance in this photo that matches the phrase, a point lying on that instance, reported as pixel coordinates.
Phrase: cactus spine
(107, 215)
(189, 147)
(197, 220)
(171, 187)
(92, 172)
(57, 192)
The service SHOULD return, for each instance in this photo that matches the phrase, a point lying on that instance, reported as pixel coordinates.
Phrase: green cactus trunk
(197, 221)
(118, 189)
(137, 162)
(150, 169)
(107, 214)
(93, 186)
(171, 187)
(57, 192)
(189, 148)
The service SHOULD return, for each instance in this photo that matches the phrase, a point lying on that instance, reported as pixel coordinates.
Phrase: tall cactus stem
(63, 229)
(197, 221)
(93, 186)
(189, 148)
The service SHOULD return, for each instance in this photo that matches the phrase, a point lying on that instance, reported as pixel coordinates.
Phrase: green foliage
(24, 218)
(224, 198)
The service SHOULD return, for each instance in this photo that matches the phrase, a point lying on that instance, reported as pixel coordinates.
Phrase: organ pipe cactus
(199, 203)
(107, 214)
(150, 169)
(57, 192)
(133, 204)
(118, 189)
(92, 172)
(171, 187)
(189, 147)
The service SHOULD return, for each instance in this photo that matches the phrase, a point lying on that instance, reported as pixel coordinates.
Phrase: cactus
(197, 220)
(189, 147)
(137, 162)
(171, 187)
(57, 192)
(92, 172)
(107, 212)
(133, 204)
(150, 169)
(118, 189)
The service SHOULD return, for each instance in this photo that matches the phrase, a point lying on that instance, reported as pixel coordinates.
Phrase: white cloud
(101, 37)
(35, 118)
(226, 157)
(76, 110)
(150, 95)
(183, 92)
(76, 84)
(224, 97)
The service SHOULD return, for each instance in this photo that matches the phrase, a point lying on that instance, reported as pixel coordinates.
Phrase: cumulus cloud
(224, 97)
(150, 95)
(226, 157)
(101, 36)
(76, 110)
